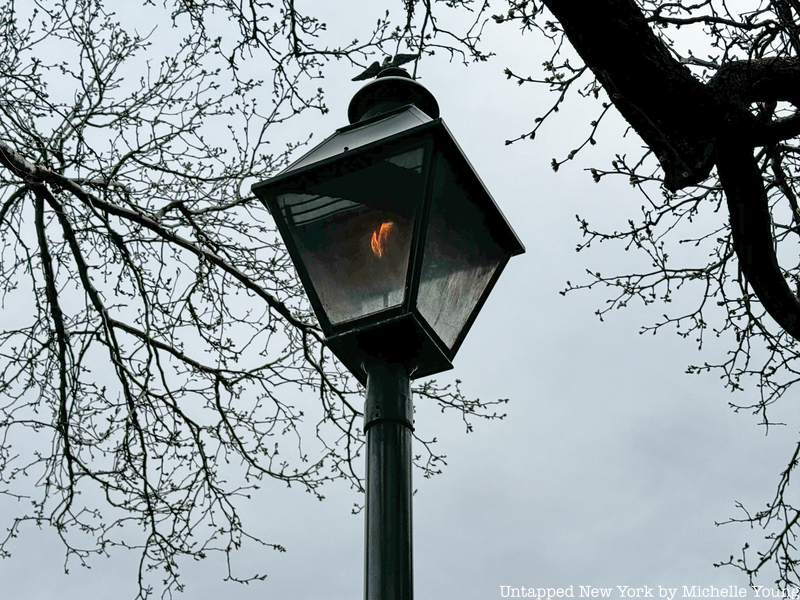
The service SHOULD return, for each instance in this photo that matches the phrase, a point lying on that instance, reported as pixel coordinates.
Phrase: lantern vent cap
(392, 88)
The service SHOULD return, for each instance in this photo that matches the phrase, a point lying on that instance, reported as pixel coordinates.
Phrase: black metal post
(388, 423)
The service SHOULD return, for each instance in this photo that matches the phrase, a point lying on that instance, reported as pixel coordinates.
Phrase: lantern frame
(398, 334)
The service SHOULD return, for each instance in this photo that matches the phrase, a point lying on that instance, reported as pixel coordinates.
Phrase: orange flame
(379, 240)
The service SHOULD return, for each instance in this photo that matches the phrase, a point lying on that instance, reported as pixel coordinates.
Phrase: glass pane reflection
(460, 256)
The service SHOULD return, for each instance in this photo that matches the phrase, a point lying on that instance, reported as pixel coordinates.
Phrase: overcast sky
(612, 465)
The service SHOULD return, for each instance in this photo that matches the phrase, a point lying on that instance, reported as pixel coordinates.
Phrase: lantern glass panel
(460, 255)
(353, 233)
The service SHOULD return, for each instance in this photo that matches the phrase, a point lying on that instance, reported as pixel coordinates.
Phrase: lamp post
(398, 244)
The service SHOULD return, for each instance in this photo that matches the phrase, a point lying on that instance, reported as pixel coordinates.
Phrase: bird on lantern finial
(388, 62)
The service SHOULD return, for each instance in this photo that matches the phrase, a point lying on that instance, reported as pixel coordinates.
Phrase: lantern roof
(357, 135)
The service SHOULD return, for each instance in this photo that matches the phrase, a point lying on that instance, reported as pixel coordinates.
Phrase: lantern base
(402, 340)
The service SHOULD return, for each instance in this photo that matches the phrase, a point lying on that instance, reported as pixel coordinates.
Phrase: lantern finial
(376, 68)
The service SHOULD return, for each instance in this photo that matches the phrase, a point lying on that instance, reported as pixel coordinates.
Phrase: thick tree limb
(753, 239)
(690, 125)
(670, 110)
(764, 80)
